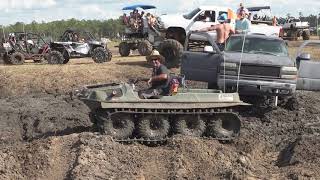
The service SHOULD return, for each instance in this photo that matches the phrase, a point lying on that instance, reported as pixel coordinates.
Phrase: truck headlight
(229, 68)
(289, 72)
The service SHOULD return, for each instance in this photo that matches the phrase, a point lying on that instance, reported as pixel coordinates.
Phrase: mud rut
(49, 136)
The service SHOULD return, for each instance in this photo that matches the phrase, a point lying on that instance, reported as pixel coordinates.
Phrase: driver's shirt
(162, 69)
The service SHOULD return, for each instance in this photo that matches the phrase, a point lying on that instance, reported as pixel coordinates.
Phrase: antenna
(241, 56)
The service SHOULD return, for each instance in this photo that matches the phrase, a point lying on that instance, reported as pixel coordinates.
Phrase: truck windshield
(191, 14)
(257, 45)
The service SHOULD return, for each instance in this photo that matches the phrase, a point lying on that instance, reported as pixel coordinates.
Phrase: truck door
(203, 20)
(200, 64)
(308, 62)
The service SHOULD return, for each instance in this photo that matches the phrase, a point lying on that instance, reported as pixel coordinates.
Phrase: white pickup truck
(177, 26)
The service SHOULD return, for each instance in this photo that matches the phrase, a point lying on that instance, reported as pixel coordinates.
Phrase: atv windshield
(257, 45)
(191, 14)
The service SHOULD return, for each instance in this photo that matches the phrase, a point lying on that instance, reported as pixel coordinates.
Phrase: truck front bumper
(258, 86)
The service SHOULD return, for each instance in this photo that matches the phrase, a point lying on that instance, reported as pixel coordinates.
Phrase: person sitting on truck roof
(243, 24)
(125, 19)
(223, 30)
(159, 81)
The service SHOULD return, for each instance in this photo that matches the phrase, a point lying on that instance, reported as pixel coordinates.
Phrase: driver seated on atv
(159, 81)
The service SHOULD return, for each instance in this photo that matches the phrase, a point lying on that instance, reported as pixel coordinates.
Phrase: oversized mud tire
(306, 35)
(119, 126)
(55, 57)
(6, 58)
(124, 49)
(100, 55)
(224, 126)
(16, 58)
(153, 127)
(145, 48)
(172, 51)
(190, 125)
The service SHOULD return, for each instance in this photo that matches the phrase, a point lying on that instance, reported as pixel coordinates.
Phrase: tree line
(110, 28)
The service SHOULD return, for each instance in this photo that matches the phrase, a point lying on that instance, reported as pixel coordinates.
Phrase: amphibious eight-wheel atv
(118, 111)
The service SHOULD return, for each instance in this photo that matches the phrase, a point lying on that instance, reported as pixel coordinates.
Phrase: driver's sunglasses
(154, 59)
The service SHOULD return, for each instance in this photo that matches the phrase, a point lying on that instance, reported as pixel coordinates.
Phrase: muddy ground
(48, 135)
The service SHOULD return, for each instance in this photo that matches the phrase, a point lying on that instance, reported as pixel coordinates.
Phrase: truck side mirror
(208, 49)
(304, 57)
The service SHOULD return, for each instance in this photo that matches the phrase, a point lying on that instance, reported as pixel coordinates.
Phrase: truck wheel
(100, 55)
(145, 48)
(306, 35)
(6, 58)
(55, 57)
(16, 58)
(124, 49)
(172, 51)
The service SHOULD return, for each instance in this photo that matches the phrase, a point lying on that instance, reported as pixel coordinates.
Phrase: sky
(49, 10)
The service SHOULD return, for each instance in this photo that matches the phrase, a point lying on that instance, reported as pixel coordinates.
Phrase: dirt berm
(50, 137)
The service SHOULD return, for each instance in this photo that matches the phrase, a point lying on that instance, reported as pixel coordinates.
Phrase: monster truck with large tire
(293, 29)
(78, 44)
(147, 38)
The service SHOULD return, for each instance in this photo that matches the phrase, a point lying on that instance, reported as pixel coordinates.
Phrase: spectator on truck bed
(224, 30)
(243, 24)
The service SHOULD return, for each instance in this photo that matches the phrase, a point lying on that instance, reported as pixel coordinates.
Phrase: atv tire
(306, 35)
(124, 49)
(100, 55)
(16, 58)
(190, 126)
(151, 127)
(119, 126)
(109, 55)
(172, 51)
(223, 126)
(145, 48)
(56, 57)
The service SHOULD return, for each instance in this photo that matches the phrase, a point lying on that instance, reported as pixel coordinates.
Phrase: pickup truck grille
(261, 71)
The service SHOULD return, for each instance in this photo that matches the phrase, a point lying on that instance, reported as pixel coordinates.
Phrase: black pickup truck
(256, 65)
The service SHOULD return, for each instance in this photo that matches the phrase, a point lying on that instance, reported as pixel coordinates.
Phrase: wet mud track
(49, 136)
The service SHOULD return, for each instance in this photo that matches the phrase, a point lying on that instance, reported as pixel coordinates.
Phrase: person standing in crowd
(224, 30)
(243, 25)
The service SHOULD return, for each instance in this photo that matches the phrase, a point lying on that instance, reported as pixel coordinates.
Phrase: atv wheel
(124, 49)
(55, 57)
(190, 125)
(119, 126)
(16, 58)
(224, 126)
(109, 55)
(172, 51)
(306, 35)
(100, 55)
(153, 127)
(145, 48)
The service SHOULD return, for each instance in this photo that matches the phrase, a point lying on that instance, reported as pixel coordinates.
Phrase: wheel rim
(100, 56)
